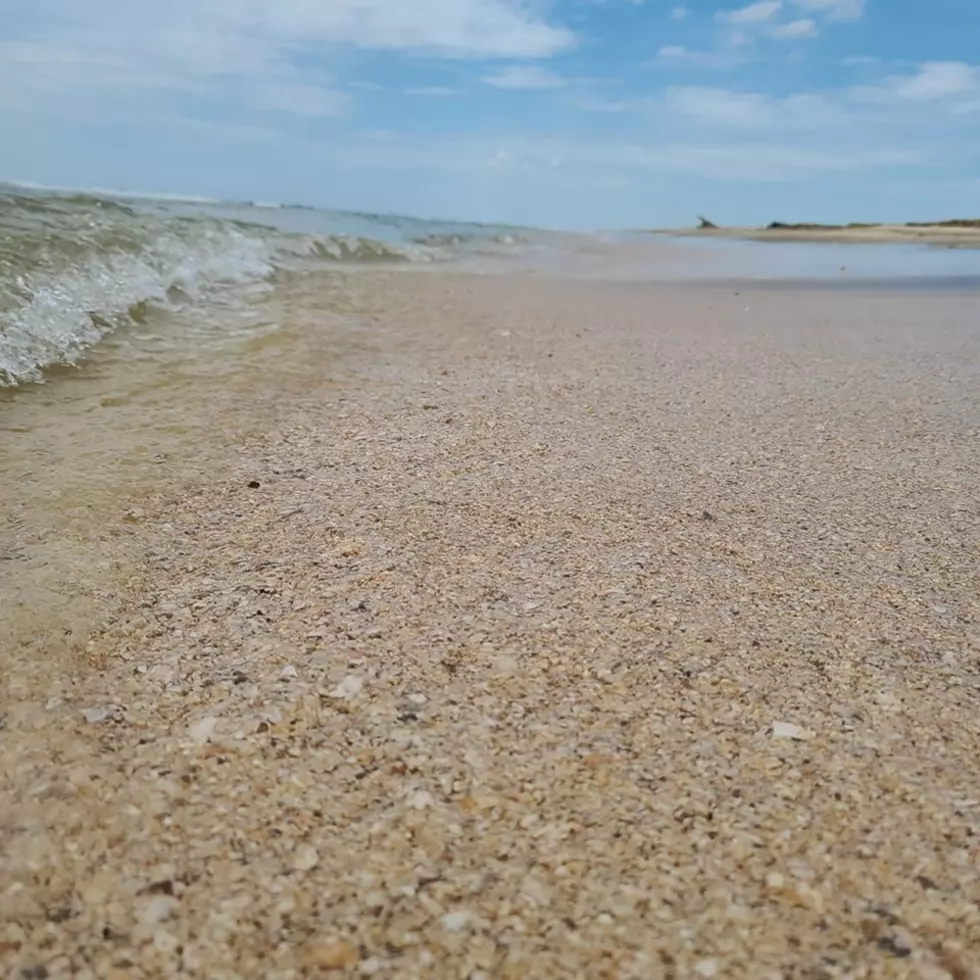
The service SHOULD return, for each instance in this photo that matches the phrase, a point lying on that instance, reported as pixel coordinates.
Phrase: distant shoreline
(957, 233)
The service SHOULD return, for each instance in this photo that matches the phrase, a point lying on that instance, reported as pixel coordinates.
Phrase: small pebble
(202, 730)
(336, 955)
(785, 729)
(305, 858)
(421, 800)
(348, 688)
(455, 921)
(160, 909)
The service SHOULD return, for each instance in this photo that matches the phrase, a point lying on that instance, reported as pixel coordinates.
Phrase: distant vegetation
(951, 223)
(705, 225)
(804, 226)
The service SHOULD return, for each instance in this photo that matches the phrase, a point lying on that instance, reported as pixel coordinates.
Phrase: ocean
(83, 271)
(78, 267)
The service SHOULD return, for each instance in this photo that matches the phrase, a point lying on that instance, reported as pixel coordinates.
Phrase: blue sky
(563, 113)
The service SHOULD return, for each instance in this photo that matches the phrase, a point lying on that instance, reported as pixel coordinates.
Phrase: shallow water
(142, 342)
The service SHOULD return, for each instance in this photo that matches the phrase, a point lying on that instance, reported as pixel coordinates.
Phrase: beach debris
(706, 968)
(704, 224)
(289, 673)
(785, 729)
(254, 484)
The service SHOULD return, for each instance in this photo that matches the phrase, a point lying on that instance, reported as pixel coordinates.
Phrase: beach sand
(515, 627)
(945, 236)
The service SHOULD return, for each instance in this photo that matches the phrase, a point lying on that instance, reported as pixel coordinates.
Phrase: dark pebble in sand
(254, 484)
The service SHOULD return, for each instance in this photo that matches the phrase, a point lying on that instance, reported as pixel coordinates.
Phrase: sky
(557, 113)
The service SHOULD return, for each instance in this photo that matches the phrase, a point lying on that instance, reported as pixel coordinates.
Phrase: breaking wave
(76, 266)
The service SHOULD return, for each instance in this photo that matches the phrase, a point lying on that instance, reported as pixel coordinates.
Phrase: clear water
(78, 268)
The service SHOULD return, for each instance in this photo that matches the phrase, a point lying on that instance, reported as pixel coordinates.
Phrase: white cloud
(725, 108)
(730, 161)
(602, 105)
(795, 29)
(246, 52)
(301, 99)
(379, 135)
(679, 13)
(722, 107)
(678, 54)
(939, 80)
(481, 28)
(933, 90)
(431, 90)
(754, 13)
(834, 9)
(740, 39)
(523, 77)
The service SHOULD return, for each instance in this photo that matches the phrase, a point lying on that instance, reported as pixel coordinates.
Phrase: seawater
(148, 273)
(148, 344)
(77, 267)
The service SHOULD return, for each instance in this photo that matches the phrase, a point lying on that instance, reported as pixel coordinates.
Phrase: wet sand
(506, 627)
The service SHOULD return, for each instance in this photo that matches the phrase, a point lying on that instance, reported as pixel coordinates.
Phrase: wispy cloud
(834, 9)
(754, 13)
(524, 77)
(795, 29)
(301, 99)
(551, 159)
(435, 91)
(721, 107)
(249, 52)
(934, 90)
(603, 105)
(678, 55)
(939, 80)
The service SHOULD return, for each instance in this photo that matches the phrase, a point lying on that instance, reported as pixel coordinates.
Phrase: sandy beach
(513, 627)
(944, 236)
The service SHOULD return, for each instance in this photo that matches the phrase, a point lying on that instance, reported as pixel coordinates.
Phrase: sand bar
(529, 629)
(942, 235)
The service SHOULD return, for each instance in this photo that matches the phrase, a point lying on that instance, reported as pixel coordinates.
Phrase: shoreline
(566, 629)
(935, 235)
